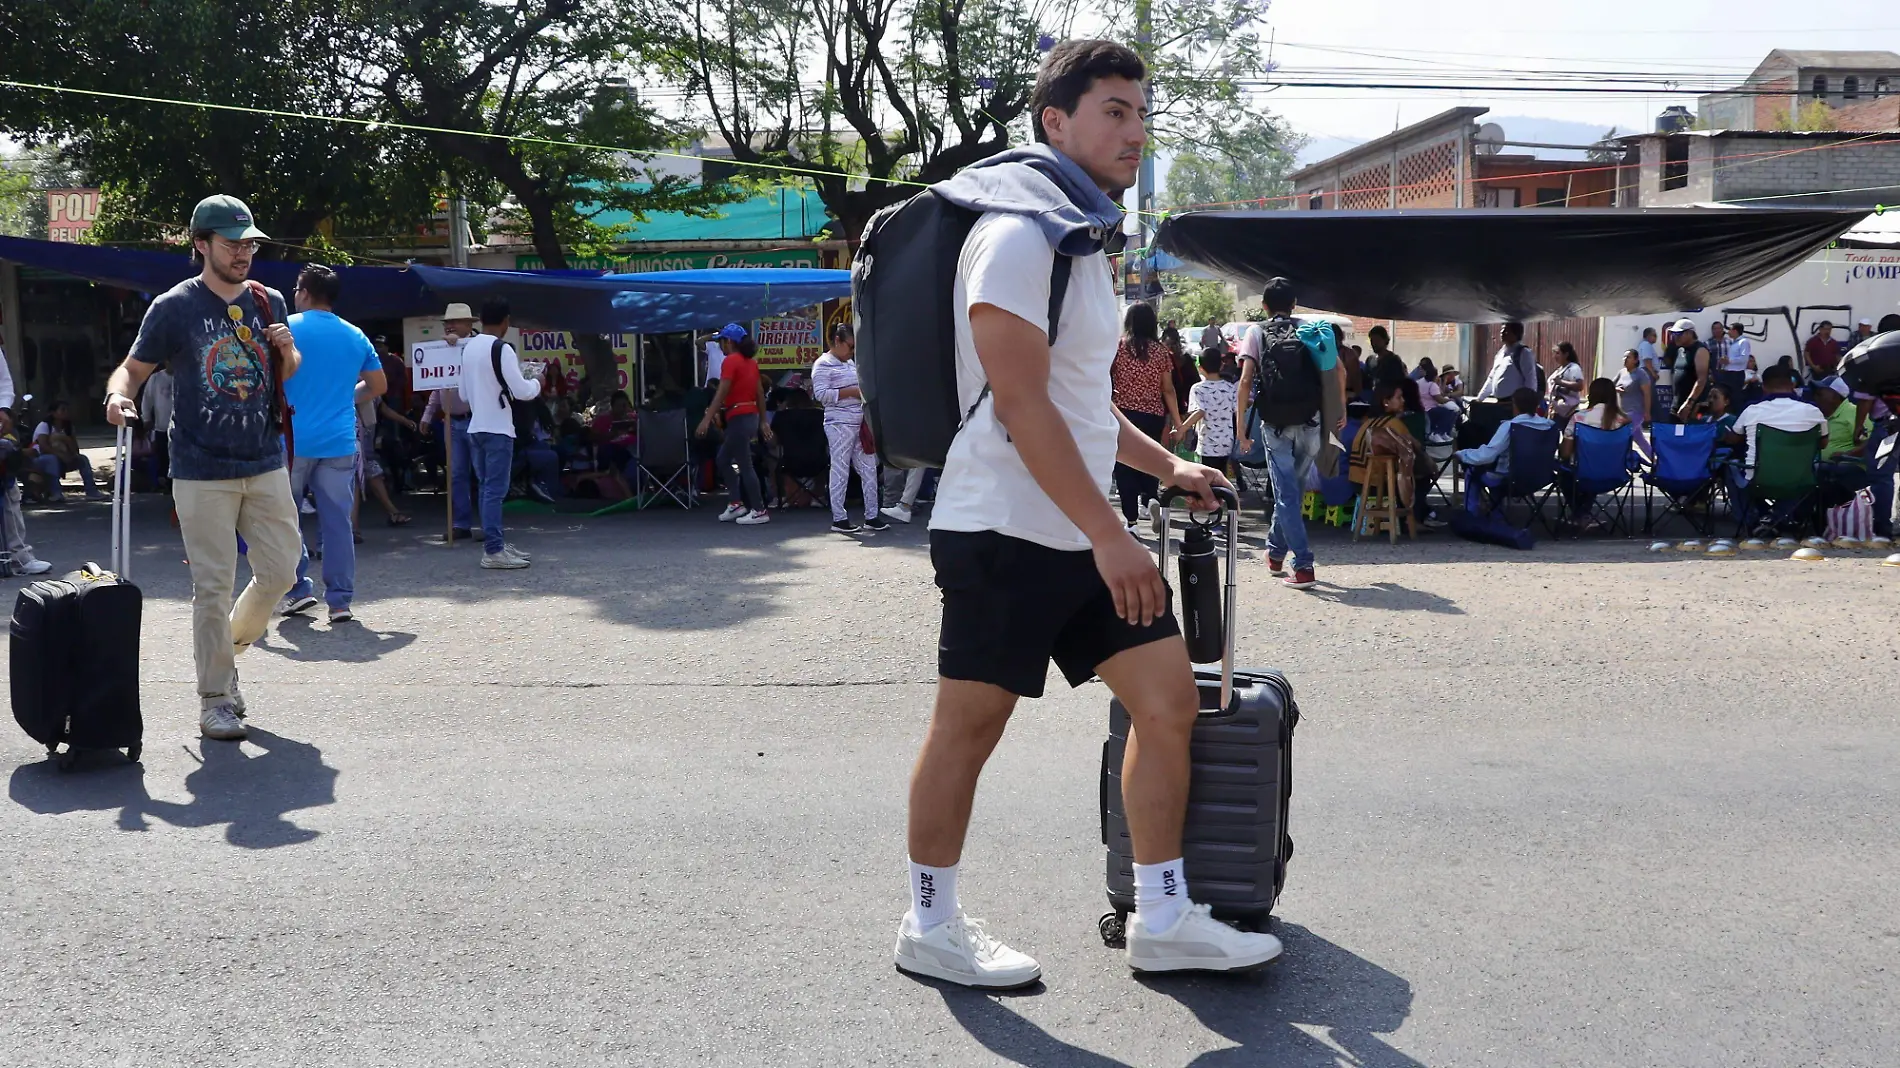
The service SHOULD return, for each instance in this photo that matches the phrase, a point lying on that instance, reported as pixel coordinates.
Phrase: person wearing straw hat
(458, 325)
(230, 356)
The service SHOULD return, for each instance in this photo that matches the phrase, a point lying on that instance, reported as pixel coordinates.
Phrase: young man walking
(491, 383)
(834, 382)
(340, 370)
(227, 445)
(1291, 382)
(1033, 561)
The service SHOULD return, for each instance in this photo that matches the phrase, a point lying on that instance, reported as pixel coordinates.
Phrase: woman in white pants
(834, 381)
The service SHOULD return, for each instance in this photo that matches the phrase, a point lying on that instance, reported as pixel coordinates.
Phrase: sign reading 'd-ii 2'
(682, 261)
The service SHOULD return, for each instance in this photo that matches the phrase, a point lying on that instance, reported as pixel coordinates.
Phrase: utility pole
(1145, 178)
(458, 230)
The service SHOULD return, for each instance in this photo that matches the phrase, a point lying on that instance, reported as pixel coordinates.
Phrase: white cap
(1866, 322)
(1839, 385)
(457, 311)
(1683, 324)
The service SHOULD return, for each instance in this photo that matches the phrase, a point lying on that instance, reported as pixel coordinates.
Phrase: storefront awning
(1490, 265)
(661, 302)
(368, 292)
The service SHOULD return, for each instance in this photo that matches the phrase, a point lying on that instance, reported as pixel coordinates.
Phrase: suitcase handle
(1230, 508)
(121, 505)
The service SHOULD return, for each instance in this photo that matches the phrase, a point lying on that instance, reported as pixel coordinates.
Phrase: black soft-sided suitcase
(74, 648)
(1234, 843)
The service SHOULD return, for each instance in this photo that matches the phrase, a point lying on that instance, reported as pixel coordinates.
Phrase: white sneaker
(897, 512)
(732, 512)
(1145, 508)
(221, 723)
(35, 567)
(307, 507)
(1197, 943)
(753, 519)
(501, 561)
(512, 550)
(960, 951)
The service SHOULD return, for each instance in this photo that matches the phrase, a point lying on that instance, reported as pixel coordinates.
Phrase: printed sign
(564, 360)
(435, 365)
(70, 213)
(681, 261)
(787, 343)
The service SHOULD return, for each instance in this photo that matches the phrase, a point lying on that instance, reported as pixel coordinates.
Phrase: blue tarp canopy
(368, 292)
(660, 302)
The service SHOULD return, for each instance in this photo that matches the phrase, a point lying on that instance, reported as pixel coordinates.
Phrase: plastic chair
(1784, 475)
(1602, 469)
(662, 460)
(1683, 471)
(1532, 477)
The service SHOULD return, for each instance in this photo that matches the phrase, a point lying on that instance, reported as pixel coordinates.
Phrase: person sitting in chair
(1386, 435)
(1779, 409)
(1492, 460)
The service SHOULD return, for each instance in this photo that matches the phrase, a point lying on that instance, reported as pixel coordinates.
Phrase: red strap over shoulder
(285, 412)
(262, 297)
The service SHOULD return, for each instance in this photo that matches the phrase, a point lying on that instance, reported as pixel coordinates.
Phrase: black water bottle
(1201, 596)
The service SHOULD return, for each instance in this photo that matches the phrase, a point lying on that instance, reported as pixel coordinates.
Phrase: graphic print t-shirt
(222, 386)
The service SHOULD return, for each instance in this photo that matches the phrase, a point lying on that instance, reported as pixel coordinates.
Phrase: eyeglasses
(247, 245)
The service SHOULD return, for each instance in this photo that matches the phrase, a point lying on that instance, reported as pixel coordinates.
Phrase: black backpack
(1286, 381)
(903, 301)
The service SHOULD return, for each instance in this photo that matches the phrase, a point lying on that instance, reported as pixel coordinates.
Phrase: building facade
(1768, 168)
(1860, 88)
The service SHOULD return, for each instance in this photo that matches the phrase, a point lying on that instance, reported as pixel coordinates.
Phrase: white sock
(1160, 894)
(933, 895)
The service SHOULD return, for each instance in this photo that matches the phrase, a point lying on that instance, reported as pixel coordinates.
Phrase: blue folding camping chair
(1603, 472)
(1683, 472)
(1532, 477)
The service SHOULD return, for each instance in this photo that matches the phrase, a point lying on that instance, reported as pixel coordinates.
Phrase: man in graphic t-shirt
(1034, 563)
(227, 445)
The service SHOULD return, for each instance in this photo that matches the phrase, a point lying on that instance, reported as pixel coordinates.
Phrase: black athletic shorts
(1010, 606)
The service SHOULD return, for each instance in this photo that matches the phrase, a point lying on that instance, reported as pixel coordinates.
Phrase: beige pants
(212, 514)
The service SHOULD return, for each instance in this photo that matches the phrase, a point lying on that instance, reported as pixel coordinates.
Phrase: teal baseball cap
(226, 216)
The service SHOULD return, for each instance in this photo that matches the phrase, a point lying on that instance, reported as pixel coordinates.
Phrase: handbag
(1855, 519)
(866, 443)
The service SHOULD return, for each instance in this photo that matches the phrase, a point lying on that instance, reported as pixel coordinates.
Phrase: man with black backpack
(1289, 370)
(1034, 563)
(492, 381)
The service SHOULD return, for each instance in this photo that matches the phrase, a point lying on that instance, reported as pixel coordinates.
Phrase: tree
(870, 97)
(1814, 115)
(1198, 301)
(1248, 169)
(156, 160)
(534, 95)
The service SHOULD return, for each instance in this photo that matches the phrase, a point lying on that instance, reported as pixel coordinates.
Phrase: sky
(1477, 38)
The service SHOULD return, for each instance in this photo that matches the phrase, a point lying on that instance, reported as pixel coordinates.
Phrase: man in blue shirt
(340, 368)
(1495, 455)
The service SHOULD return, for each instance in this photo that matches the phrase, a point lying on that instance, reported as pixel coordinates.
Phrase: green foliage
(553, 71)
(1814, 115)
(1197, 302)
(155, 161)
(1248, 164)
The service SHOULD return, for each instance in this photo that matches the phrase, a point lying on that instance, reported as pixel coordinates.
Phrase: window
(1882, 86)
(1820, 86)
(1675, 168)
(1317, 202)
(1552, 198)
(1850, 87)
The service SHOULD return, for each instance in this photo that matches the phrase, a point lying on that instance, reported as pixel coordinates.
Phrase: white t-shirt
(487, 413)
(715, 360)
(1006, 263)
(1219, 399)
(42, 430)
(1780, 413)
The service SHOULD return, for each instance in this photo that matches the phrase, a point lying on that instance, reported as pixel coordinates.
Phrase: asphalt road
(643, 804)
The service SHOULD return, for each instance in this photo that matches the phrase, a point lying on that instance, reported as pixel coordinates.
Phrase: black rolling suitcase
(1235, 842)
(74, 649)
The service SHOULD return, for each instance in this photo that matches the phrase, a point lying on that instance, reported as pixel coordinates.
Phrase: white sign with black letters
(435, 365)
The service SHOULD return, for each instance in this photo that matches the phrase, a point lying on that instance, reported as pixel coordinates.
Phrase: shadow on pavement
(295, 638)
(1388, 597)
(235, 784)
(1319, 1006)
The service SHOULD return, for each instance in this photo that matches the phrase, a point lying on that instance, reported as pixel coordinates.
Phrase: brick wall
(1771, 167)
(1771, 111)
(1880, 114)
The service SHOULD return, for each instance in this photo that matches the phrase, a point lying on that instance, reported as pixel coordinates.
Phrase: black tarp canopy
(1492, 265)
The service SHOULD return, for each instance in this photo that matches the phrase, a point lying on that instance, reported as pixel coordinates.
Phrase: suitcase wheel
(67, 759)
(132, 752)
(1114, 928)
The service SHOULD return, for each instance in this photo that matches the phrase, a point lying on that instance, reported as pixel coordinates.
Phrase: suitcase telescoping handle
(121, 562)
(1230, 510)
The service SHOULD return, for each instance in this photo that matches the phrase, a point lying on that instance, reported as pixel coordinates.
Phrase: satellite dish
(1490, 139)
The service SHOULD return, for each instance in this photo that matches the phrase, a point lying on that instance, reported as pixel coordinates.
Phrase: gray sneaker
(238, 707)
(502, 561)
(299, 604)
(221, 723)
(516, 551)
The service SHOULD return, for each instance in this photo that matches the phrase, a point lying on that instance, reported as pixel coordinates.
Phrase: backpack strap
(279, 405)
(494, 355)
(1058, 290)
